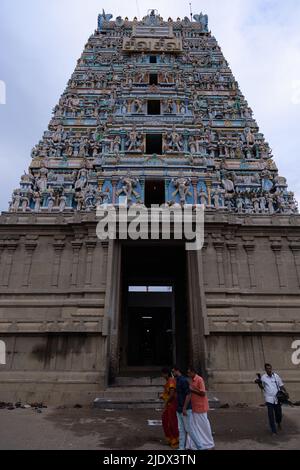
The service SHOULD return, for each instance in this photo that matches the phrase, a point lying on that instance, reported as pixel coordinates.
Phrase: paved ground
(90, 429)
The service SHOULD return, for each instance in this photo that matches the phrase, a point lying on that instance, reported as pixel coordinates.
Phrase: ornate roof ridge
(153, 19)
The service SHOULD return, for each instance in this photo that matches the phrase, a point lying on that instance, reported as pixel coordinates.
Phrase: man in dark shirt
(184, 410)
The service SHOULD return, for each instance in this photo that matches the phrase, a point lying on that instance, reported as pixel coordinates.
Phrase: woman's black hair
(166, 371)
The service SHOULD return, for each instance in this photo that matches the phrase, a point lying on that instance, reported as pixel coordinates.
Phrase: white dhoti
(202, 429)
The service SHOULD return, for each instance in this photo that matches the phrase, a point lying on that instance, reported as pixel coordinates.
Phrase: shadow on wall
(59, 346)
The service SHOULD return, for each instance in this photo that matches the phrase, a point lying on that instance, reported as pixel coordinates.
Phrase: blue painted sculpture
(103, 17)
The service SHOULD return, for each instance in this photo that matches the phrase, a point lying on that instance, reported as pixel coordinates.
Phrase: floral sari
(169, 417)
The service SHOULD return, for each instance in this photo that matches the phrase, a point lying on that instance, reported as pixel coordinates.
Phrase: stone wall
(58, 289)
(252, 289)
(52, 298)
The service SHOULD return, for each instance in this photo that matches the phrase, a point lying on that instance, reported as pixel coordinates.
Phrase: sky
(41, 40)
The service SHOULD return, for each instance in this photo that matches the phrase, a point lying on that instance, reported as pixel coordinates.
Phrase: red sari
(169, 417)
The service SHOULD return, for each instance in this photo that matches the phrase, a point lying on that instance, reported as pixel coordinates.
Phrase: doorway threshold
(145, 371)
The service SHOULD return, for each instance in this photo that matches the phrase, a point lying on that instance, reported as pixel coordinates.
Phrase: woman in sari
(169, 417)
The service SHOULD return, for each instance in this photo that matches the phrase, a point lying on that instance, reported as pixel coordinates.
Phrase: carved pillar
(30, 248)
(76, 245)
(208, 185)
(58, 249)
(277, 247)
(232, 248)
(143, 191)
(144, 143)
(2, 248)
(167, 186)
(10, 248)
(123, 134)
(219, 247)
(198, 320)
(295, 247)
(114, 193)
(204, 254)
(90, 247)
(249, 248)
(112, 310)
(105, 246)
(186, 142)
(195, 183)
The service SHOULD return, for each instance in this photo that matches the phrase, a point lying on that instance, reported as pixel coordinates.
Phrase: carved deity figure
(165, 77)
(256, 205)
(16, 199)
(262, 203)
(175, 141)
(83, 148)
(193, 145)
(89, 198)
(37, 201)
(133, 142)
(183, 108)
(129, 184)
(203, 21)
(239, 204)
(51, 201)
(25, 203)
(58, 134)
(80, 200)
(70, 148)
(95, 149)
(141, 77)
(82, 178)
(116, 145)
(203, 197)
(170, 106)
(216, 198)
(249, 137)
(228, 184)
(270, 201)
(292, 203)
(101, 197)
(62, 203)
(182, 186)
(102, 18)
(42, 180)
(138, 105)
(35, 152)
(99, 133)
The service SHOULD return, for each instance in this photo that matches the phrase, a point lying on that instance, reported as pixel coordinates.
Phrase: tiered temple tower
(152, 115)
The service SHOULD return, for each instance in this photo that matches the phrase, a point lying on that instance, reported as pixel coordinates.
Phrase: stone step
(131, 393)
(136, 397)
(138, 381)
(103, 404)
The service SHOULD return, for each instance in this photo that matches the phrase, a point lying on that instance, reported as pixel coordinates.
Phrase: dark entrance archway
(154, 325)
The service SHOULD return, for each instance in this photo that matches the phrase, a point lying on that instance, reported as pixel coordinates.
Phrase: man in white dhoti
(184, 412)
(200, 406)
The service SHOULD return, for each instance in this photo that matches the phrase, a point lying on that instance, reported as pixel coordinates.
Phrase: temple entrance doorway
(154, 329)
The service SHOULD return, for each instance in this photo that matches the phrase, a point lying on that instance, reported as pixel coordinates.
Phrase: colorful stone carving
(155, 95)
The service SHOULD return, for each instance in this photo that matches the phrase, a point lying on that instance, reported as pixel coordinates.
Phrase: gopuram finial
(203, 21)
(103, 17)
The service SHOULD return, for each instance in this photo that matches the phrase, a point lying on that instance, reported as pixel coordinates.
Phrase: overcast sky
(41, 40)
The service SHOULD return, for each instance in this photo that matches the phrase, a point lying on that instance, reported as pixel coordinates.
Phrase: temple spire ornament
(103, 17)
(145, 89)
(203, 21)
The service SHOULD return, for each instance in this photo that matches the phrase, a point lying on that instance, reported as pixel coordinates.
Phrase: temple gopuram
(152, 115)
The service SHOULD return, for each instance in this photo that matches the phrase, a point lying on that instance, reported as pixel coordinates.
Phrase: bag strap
(278, 388)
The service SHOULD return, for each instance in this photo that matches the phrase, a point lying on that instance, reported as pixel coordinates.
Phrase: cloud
(43, 40)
